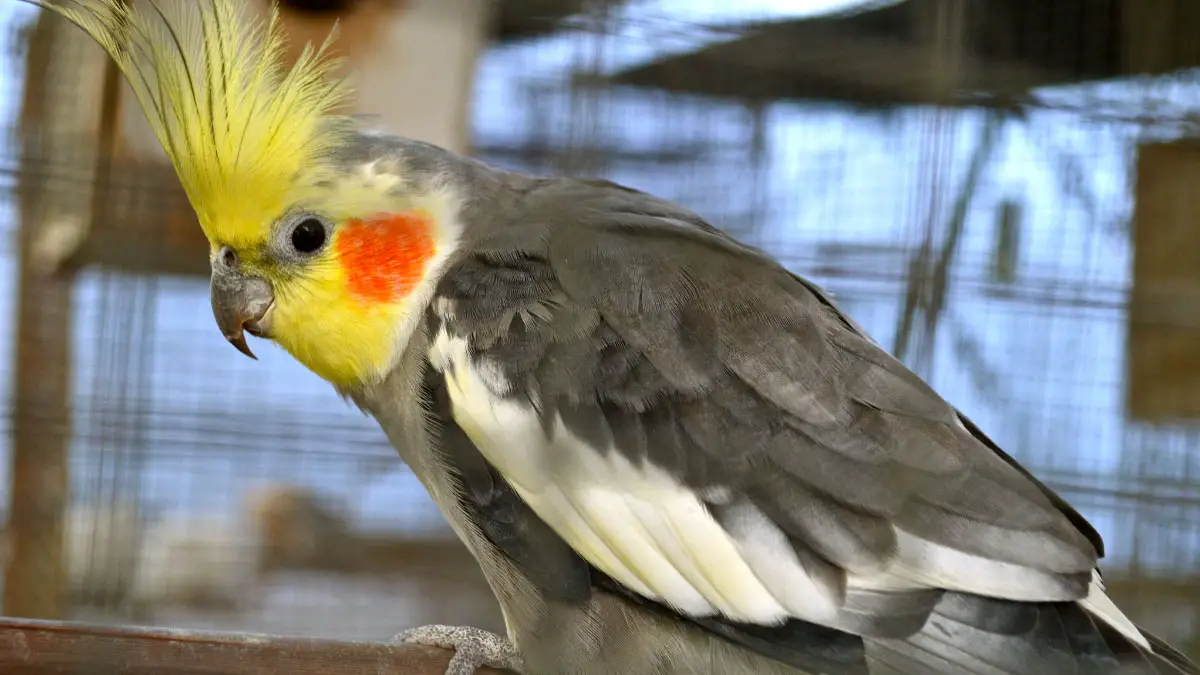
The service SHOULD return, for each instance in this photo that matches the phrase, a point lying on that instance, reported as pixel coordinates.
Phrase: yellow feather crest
(246, 138)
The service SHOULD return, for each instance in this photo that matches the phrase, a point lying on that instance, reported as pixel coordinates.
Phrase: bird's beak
(241, 304)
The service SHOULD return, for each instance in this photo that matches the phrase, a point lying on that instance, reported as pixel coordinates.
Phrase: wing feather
(722, 370)
(712, 434)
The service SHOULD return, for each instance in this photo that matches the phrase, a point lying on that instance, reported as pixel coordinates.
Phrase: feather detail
(244, 135)
(693, 420)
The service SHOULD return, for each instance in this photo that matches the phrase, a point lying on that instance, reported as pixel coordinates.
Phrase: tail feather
(965, 634)
(986, 636)
(1176, 658)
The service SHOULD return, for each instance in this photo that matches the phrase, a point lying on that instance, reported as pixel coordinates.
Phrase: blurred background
(1001, 191)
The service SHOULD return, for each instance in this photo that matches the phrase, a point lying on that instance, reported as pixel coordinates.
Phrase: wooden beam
(49, 647)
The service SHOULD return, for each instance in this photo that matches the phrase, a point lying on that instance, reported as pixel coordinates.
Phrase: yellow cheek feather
(341, 340)
(341, 314)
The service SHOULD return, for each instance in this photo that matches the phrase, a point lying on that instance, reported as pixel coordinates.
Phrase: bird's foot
(473, 648)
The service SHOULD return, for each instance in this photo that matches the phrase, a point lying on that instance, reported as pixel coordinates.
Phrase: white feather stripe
(483, 418)
(611, 517)
(936, 566)
(1098, 603)
(569, 525)
(740, 594)
(705, 555)
(494, 424)
(801, 591)
(662, 532)
(510, 436)
(607, 535)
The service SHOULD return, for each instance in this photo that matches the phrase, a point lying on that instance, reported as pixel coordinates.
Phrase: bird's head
(316, 241)
(334, 271)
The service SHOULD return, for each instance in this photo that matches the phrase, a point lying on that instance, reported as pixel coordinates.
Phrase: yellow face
(341, 274)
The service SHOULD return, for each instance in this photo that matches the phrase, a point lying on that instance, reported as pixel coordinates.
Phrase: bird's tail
(985, 636)
(1166, 652)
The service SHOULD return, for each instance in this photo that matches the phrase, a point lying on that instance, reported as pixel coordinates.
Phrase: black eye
(308, 236)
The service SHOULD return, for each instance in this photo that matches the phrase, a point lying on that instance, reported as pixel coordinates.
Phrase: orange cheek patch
(385, 256)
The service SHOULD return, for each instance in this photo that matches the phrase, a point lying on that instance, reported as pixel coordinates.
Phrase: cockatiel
(668, 454)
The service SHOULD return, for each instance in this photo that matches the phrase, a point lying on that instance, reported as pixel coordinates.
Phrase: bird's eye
(308, 236)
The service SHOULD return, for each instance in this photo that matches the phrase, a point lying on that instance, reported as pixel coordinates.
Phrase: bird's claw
(473, 648)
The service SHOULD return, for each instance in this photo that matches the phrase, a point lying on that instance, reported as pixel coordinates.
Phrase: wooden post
(38, 458)
(34, 581)
(55, 192)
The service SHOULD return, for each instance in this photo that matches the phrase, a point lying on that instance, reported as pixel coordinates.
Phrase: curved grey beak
(240, 303)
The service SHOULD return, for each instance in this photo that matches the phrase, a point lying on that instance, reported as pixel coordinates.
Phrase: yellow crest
(245, 137)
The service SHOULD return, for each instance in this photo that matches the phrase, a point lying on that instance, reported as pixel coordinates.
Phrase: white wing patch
(634, 523)
(1098, 603)
(654, 535)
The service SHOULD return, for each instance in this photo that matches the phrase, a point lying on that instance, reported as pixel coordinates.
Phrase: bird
(668, 453)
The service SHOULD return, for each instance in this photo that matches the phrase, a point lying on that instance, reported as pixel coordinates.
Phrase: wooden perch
(29, 647)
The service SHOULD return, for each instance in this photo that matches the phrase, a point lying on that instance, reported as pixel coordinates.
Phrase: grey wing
(565, 578)
(637, 327)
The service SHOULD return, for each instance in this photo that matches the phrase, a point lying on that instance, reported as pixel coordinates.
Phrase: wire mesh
(962, 177)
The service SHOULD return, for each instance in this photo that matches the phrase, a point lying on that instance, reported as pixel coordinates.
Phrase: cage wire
(963, 177)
